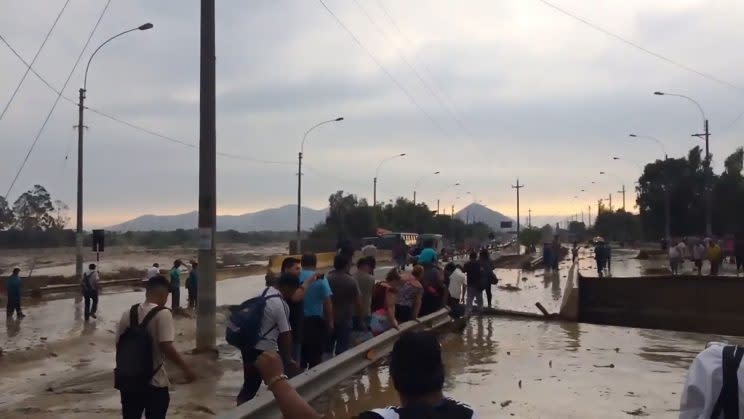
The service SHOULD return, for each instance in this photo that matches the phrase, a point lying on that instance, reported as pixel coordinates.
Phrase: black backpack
(134, 353)
(244, 324)
(727, 404)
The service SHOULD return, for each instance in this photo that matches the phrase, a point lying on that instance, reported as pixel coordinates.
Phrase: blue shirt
(315, 294)
(193, 279)
(13, 285)
(427, 255)
(175, 277)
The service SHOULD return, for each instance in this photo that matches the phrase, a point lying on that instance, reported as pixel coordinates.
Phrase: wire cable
(33, 60)
(642, 48)
(127, 123)
(59, 95)
(385, 70)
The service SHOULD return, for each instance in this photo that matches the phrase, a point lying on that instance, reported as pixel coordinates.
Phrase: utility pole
(610, 202)
(79, 214)
(517, 187)
(374, 193)
(529, 217)
(299, 202)
(452, 213)
(589, 214)
(599, 210)
(708, 194)
(622, 191)
(437, 207)
(206, 334)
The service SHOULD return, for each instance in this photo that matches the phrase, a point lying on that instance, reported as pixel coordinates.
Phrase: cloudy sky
(483, 91)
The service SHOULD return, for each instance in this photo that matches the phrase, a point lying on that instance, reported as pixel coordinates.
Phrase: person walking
(674, 259)
(275, 333)
(13, 288)
(739, 252)
(698, 255)
(345, 296)
(410, 295)
(366, 283)
(145, 331)
(90, 285)
(400, 254)
(455, 281)
(473, 272)
(575, 252)
(488, 278)
(715, 257)
(317, 313)
(192, 284)
(600, 256)
(555, 251)
(175, 283)
(547, 257)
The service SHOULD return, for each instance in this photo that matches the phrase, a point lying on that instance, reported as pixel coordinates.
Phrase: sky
(484, 92)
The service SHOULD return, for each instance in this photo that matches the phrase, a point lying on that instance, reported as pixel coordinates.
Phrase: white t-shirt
(152, 271)
(457, 279)
(704, 383)
(275, 321)
(698, 252)
(161, 329)
(674, 253)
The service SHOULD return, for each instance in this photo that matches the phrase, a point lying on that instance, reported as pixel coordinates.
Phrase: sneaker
(93, 315)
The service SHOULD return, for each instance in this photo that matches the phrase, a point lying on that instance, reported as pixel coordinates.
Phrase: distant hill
(274, 219)
(478, 213)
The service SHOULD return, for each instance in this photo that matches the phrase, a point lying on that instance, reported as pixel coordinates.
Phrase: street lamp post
(442, 191)
(377, 174)
(80, 126)
(620, 191)
(654, 139)
(415, 185)
(705, 135)
(299, 179)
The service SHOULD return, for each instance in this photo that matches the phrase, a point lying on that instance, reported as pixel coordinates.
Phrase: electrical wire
(642, 48)
(403, 58)
(33, 60)
(127, 123)
(54, 105)
(385, 70)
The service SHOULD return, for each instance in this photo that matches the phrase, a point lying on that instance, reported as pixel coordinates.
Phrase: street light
(299, 177)
(81, 109)
(415, 185)
(656, 140)
(620, 191)
(377, 174)
(705, 135)
(442, 191)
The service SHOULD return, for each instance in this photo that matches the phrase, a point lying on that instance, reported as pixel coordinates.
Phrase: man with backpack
(144, 338)
(90, 286)
(262, 324)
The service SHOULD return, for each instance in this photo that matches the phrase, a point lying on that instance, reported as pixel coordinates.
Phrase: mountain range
(273, 219)
(478, 213)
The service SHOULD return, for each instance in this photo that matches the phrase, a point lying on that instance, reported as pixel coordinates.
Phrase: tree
(34, 210)
(619, 225)
(530, 237)
(60, 219)
(7, 219)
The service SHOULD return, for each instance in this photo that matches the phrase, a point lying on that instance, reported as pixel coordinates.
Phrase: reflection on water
(547, 369)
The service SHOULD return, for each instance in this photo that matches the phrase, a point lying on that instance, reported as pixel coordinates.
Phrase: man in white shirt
(456, 280)
(275, 333)
(152, 271)
(153, 399)
(714, 384)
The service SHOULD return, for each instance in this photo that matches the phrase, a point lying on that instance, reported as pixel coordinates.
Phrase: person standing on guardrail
(345, 297)
(89, 286)
(474, 273)
(13, 288)
(417, 373)
(317, 311)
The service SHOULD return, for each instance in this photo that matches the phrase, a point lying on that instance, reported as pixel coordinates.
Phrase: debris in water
(617, 349)
(505, 403)
(53, 354)
(509, 287)
(636, 412)
(524, 278)
(550, 364)
(605, 366)
(520, 383)
(508, 353)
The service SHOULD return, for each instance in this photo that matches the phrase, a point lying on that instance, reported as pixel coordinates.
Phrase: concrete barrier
(686, 303)
(323, 377)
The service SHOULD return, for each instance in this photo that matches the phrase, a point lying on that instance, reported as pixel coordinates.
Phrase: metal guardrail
(317, 380)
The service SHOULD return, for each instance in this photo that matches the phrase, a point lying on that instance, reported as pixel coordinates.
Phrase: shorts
(379, 323)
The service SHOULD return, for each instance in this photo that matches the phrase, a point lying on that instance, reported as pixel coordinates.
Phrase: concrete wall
(696, 304)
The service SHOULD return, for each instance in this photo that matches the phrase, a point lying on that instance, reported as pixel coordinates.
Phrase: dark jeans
(175, 298)
(403, 313)
(340, 338)
(14, 304)
(714, 265)
(251, 376)
(192, 297)
(456, 309)
(489, 297)
(314, 341)
(90, 296)
(153, 401)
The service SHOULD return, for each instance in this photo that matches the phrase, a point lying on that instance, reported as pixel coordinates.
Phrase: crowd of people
(701, 251)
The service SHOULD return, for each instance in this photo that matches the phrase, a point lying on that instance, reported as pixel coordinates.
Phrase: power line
(640, 47)
(421, 80)
(450, 103)
(59, 95)
(33, 60)
(385, 70)
(127, 123)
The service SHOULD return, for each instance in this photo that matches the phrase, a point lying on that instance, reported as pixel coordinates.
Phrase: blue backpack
(244, 324)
